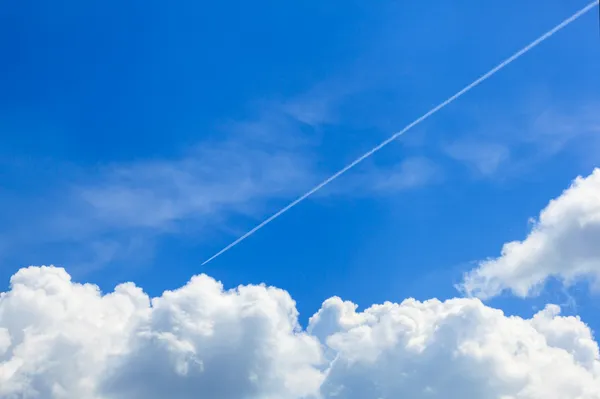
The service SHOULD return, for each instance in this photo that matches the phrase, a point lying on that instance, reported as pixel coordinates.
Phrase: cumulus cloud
(564, 243)
(456, 349)
(61, 339)
(66, 340)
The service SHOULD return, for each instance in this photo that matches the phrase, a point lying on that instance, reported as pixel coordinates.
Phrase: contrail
(393, 137)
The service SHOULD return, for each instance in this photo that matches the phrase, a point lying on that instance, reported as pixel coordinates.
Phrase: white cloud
(564, 243)
(69, 341)
(485, 157)
(528, 134)
(410, 173)
(216, 179)
(105, 214)
(456, 349)
(110, 209)
(554, 128)
(372, 180)
(59, 339)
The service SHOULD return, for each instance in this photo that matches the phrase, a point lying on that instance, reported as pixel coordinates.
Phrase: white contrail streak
(477, 82)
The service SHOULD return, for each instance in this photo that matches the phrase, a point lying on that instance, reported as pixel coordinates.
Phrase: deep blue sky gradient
(87, 87)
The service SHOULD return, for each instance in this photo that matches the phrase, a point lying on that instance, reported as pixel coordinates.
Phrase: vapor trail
(393, 137)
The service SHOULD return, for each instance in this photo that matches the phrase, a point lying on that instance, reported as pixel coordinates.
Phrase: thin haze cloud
(393, 137)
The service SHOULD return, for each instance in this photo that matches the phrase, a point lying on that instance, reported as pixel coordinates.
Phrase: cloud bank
(564, 243)
(61, 339)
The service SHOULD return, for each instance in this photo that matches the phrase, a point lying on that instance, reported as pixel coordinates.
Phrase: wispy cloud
(99, 216)
(228, 176)
(377, 181)
(484, 157)
(410, 173)
(273, 155)
(526, 137)
(555, 129)
(119, 206)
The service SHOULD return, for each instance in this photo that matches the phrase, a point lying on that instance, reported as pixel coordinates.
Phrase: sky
(139, 139)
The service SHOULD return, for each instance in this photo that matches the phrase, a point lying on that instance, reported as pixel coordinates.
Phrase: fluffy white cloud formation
(66, 340)
(564, 243)
(60, 339)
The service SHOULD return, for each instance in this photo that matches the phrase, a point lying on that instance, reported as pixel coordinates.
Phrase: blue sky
(137, 139)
